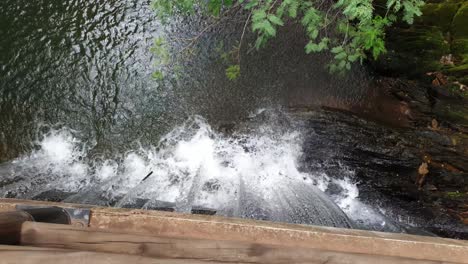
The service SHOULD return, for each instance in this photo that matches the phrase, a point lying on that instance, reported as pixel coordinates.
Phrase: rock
(413, 51)
(451, 111)
(436, 42)
(387, 161)
(430, 187)
(460, 41)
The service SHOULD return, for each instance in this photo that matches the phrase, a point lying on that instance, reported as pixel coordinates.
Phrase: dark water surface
(87, 65)
(71, 63)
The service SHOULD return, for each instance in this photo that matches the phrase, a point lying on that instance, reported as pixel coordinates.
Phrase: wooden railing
(137, 236)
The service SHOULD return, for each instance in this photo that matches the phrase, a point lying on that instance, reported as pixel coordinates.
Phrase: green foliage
(160, 51)
(167, 8)
(350, 29)
(157, 75)
(455, 194)
(233, 72)
(410, 8)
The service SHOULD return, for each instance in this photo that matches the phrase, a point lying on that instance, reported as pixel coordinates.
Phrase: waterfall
(251, 173)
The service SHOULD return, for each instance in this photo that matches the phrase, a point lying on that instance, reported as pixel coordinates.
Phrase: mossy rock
(459, 45)
(463, 79)
(452, 113)
(417, 49)
(459, 70)
(439, 15)
(460, 22)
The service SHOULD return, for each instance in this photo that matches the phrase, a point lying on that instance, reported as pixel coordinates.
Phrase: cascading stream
(84, 68)
(251, 173)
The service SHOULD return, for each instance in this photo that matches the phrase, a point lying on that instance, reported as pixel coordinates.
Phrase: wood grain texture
(175, 225)
(68, 237)
(34, 255)
(281, 234)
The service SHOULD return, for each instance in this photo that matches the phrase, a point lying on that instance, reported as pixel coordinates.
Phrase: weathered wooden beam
(34, 255)
(281, 234)
(167, 224)
(10, 226)
(68, 237)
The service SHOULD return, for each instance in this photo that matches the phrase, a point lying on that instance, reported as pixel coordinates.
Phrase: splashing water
(252, 174)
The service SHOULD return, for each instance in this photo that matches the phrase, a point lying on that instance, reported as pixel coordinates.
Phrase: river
(82, 120)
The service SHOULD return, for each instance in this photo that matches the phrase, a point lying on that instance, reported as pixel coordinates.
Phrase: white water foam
(192, 165)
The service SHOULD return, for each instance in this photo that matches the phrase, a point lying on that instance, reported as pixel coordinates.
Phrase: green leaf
(157, 75)
(265, 27)
(392, 18)
(342, 65)
(275, 20)
(314, 34)
(390, 3)
(337, 49)
(260, 42)
(214, 7)
(311, 47)
(311, 17)
(293, 7)
(323, 45)
(258, 15)
(353, 58)
(340, 55)
(251, 4)
(233, 72)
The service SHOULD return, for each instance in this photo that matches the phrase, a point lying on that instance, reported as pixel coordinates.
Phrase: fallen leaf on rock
(434, 124)
(423, 170)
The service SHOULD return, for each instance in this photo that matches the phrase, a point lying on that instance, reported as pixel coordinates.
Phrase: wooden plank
(68, 237)
(32, 255)
(176, 225)
(10, 226)
(262, 232)
(8, 204)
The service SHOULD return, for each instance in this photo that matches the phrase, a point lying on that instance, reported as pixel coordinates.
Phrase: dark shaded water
(87, 65)
(72, 63)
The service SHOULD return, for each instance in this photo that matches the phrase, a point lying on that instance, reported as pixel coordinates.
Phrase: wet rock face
(437, 41)
(385, 162)
(407, 145)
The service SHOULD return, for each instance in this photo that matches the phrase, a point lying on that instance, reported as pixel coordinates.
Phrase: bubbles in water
(58, 147)
(252, 173)
(345, 194)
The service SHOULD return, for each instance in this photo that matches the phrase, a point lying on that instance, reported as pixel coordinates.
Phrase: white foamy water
(253, 174)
